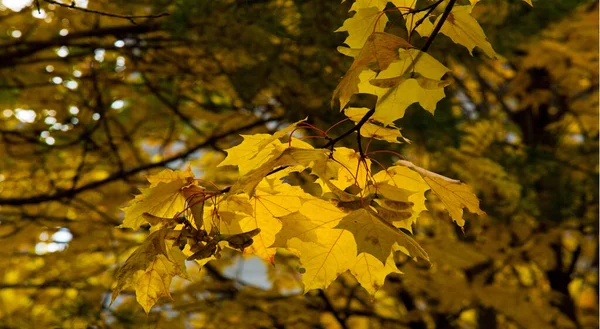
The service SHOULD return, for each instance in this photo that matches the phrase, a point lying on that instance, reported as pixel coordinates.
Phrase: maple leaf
(154, 282)
(162, 199)
(378, 52)
(377, 237)
(169, 175)
(251, 153)
(288, 156)
(149, 270)
(267, 207)
(371, 273)
(361, 25)
(406, 87)
(325, 252)
(463, 29)
(236, 204)
(255, 150)
(454, 195)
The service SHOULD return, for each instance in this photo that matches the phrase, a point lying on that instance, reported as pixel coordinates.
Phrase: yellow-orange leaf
(325, 252)
(154, 282)
(360, 26)
(163, 199)
(378, 52)
(463, 29)
(149, 270)
(409, 83)
(377, 237)
(371, 273)
(454, 195)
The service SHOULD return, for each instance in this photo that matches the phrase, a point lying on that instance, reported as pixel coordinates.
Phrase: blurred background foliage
(90, 104)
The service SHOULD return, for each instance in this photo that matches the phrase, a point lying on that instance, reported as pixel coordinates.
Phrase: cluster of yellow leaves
(359, 221)
(389, 67)
(331, 233)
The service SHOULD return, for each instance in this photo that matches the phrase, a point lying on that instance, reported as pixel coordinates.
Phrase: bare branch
(131, 18)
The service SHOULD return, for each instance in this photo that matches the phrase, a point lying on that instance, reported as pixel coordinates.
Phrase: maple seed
(205, 251)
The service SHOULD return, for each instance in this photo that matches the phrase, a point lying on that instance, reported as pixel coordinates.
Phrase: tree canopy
(299, 164)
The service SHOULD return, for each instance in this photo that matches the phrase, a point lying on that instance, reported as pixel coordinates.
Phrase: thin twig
(362, 121)
(438, 27)
(128, 17)
(431, 9)
(359, 141)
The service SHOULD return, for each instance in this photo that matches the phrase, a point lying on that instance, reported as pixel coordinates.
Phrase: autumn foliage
(187, 139)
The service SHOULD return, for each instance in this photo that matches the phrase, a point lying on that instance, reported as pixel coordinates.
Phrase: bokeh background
(90, 104)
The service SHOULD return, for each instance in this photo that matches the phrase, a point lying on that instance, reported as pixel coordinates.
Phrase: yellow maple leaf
(360, 26)
(251, 153)
(301, 157)
(267, 206)
(168, 175)
(377, 237)
(454, 195)
(163, 199)
(154, 282)
(266, 209)
(408, 88)
(378, 52)
(255, 150)
(388, 134)
(371, 273)
(149, 270)
(325, 252)
(463, 29)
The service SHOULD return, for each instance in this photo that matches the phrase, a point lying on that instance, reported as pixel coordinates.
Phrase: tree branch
(101, 13)
(438, 27)
(356, 128)
(124, 174)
